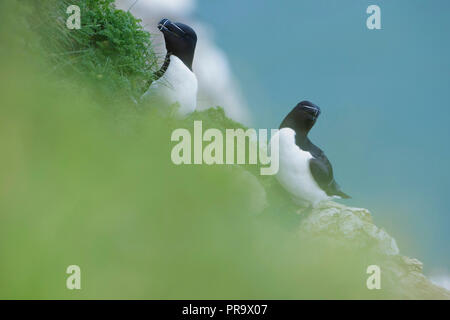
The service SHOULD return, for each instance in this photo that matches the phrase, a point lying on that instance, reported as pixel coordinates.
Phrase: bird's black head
(180, 40)
(302, 118)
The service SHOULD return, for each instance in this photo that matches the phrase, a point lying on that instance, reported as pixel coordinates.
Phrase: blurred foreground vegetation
(86, 179)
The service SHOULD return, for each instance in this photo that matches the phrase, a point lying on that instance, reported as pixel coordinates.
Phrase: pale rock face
(217, 84)
(442, 280)
(159, 7)
(348, 227)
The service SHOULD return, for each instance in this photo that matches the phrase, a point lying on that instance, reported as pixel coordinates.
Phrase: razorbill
(304, 169)
(175, 82)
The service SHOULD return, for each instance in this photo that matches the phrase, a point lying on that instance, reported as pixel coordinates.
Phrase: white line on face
(178, 28)
(308, 107)
(316, 110)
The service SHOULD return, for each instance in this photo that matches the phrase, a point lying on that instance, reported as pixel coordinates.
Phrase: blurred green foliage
(111, 50)
(82, 185)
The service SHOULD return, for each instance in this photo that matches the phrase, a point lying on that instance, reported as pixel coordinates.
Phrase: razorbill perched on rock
(304, 169)
(175, 82)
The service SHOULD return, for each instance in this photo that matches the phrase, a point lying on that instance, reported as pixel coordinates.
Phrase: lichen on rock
(348, 226)
(353, 228)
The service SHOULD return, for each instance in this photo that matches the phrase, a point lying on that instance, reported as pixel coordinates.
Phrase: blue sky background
(384, 96)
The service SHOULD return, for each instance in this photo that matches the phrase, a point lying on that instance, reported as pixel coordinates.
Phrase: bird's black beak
(162, 25)
(316, 114)
(168, 27)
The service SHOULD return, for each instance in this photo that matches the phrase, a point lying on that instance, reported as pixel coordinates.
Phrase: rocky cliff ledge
(354, 229)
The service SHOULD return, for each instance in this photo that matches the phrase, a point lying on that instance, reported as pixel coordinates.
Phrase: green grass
(87, 179)
(111, 51)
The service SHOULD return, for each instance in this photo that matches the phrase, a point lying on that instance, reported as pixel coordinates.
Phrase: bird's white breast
(177, 85)
(294, 173)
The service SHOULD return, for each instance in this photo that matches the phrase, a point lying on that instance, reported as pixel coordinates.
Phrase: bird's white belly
(178, 85)
(294, 173)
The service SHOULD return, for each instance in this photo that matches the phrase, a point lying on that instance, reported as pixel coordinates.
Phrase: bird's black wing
(322, 172)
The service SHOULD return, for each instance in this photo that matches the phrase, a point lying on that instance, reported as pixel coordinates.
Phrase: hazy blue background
(384, 95)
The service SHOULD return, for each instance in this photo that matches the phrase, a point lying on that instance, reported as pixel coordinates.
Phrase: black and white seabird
(176, 82)
(304, 170)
